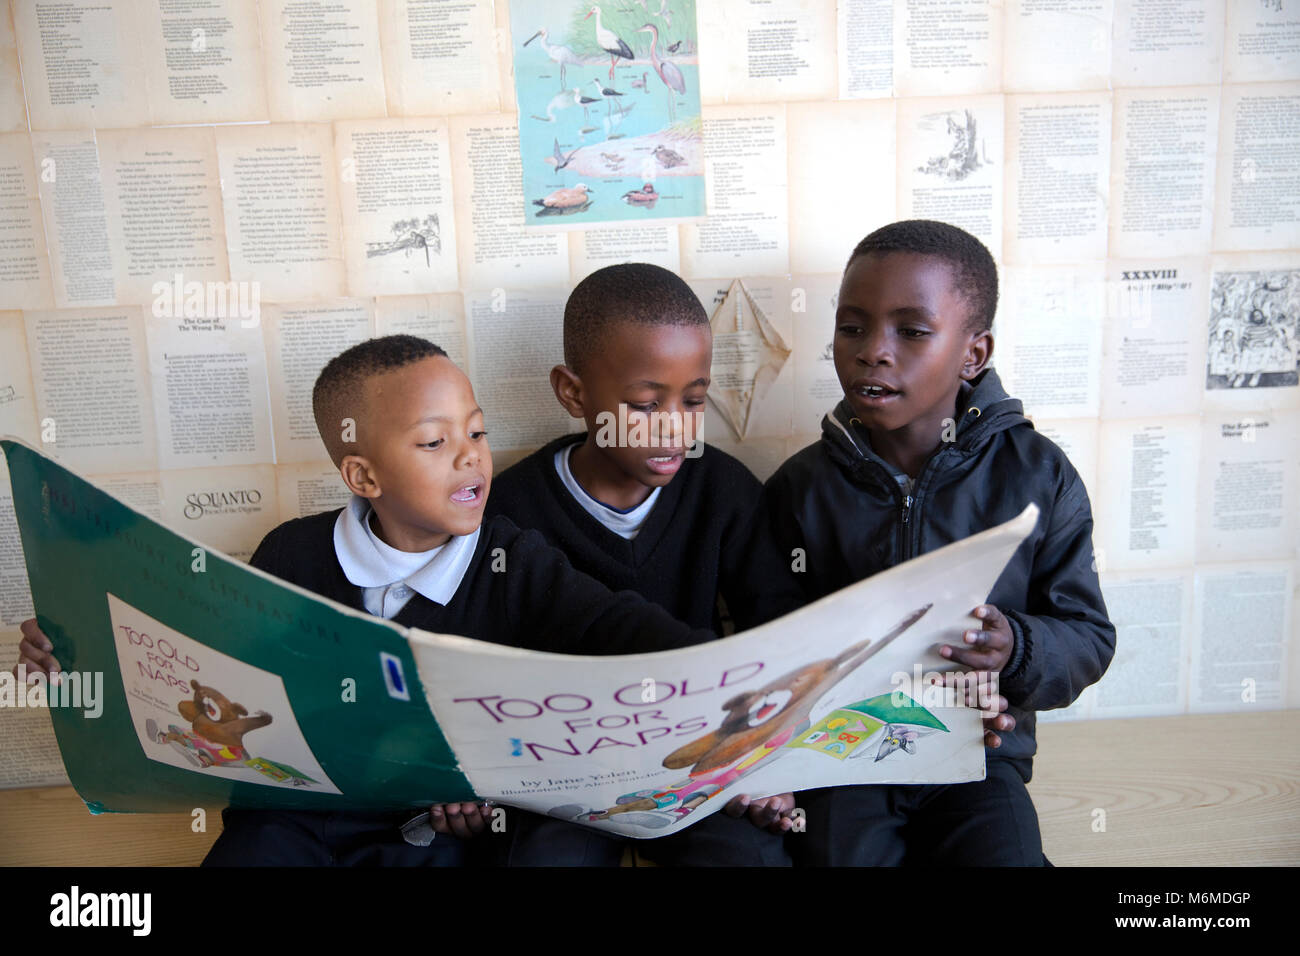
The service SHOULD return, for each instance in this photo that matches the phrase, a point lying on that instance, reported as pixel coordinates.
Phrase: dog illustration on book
(757, 725)
(216, 737)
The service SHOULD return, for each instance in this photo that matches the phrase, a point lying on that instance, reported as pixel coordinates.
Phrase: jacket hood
(988, 410)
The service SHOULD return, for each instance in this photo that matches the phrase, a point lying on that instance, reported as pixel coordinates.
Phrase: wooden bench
(1205, 790)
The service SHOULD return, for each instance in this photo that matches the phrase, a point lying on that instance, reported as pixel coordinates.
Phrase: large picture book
(190, 679)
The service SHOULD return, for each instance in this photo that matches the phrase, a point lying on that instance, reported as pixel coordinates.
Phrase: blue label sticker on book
(394, 680)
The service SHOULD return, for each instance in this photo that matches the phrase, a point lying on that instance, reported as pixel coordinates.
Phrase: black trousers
(991, 822)
(318, 838)
(534, 840)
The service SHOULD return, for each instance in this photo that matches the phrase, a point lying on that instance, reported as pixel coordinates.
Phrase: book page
(309, 489)
(209, 390)
(1145, 512)
(25, 281)
(203, 62)
(816, 384)
(17, 396)
(92, 388)
(746, 194)
(1058, 184)
(1247, 499)
(162, 200)
(947, 46)
(283, 223)
(83, 64)
(752, 322)
(1057, 45)
(836, 194)
(754, 51)
(15, 595)
(950, 164)
(1167, 42)
(29, 751)
(515, 339)
(864, 35)
(594, 249)
(1048, 348)
(495, 248)
(1257, 203)
(439, 57)
(1263, 42)
(1079, 439)
(438, 318)
(300, 340)
(762, 456)
(76, 227)
(13, 104)
(1162, 171)
(226, 509)
(1253, 333)
(1153, 349)
(1239, 648)
(1152, 614)
(399, 233)
(322, 61)
(142, 490)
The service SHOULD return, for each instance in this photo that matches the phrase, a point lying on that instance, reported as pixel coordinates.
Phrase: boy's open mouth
(666, 464)
(469, 494)
(874, 391)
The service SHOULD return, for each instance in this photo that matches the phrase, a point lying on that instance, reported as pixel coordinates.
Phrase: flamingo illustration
(667, 70)
(609, 41)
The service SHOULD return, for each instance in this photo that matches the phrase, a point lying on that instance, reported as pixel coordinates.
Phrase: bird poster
(609, 111)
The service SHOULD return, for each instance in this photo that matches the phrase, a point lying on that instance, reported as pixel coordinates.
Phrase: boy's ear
(978, 352)
(568, 390)
(359, 476)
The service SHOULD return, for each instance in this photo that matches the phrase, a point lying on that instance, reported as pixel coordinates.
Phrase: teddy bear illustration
(217, 735)
(758, 723)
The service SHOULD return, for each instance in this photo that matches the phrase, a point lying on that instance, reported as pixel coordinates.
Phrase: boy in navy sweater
(400, 421)
(640, 503)
(926, 449)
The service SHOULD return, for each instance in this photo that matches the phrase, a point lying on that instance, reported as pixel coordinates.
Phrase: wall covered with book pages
(332, 171)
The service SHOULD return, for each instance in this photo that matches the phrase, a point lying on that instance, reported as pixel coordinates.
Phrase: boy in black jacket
(926, 449)
(639, 503)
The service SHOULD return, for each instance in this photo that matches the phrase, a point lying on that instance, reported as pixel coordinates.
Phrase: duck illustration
(565, 200)
(645, 196)
(668, 158)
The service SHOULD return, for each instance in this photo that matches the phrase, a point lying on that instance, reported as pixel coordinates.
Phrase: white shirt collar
(625, 524)
(370, 563)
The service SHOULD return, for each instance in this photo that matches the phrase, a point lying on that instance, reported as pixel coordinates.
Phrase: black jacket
(841, 502)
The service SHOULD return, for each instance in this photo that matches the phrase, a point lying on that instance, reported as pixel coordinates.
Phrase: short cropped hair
(340, 387)
(974, 273)
(630, 292)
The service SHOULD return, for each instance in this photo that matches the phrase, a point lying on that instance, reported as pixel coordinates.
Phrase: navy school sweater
(701, 538)
(538, 602)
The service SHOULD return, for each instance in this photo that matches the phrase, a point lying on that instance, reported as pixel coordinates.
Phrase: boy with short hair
(926, 449)
(633, 504)
(413, 546)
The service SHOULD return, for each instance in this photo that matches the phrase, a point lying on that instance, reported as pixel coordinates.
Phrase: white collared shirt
(388, 577)
(625, 524)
